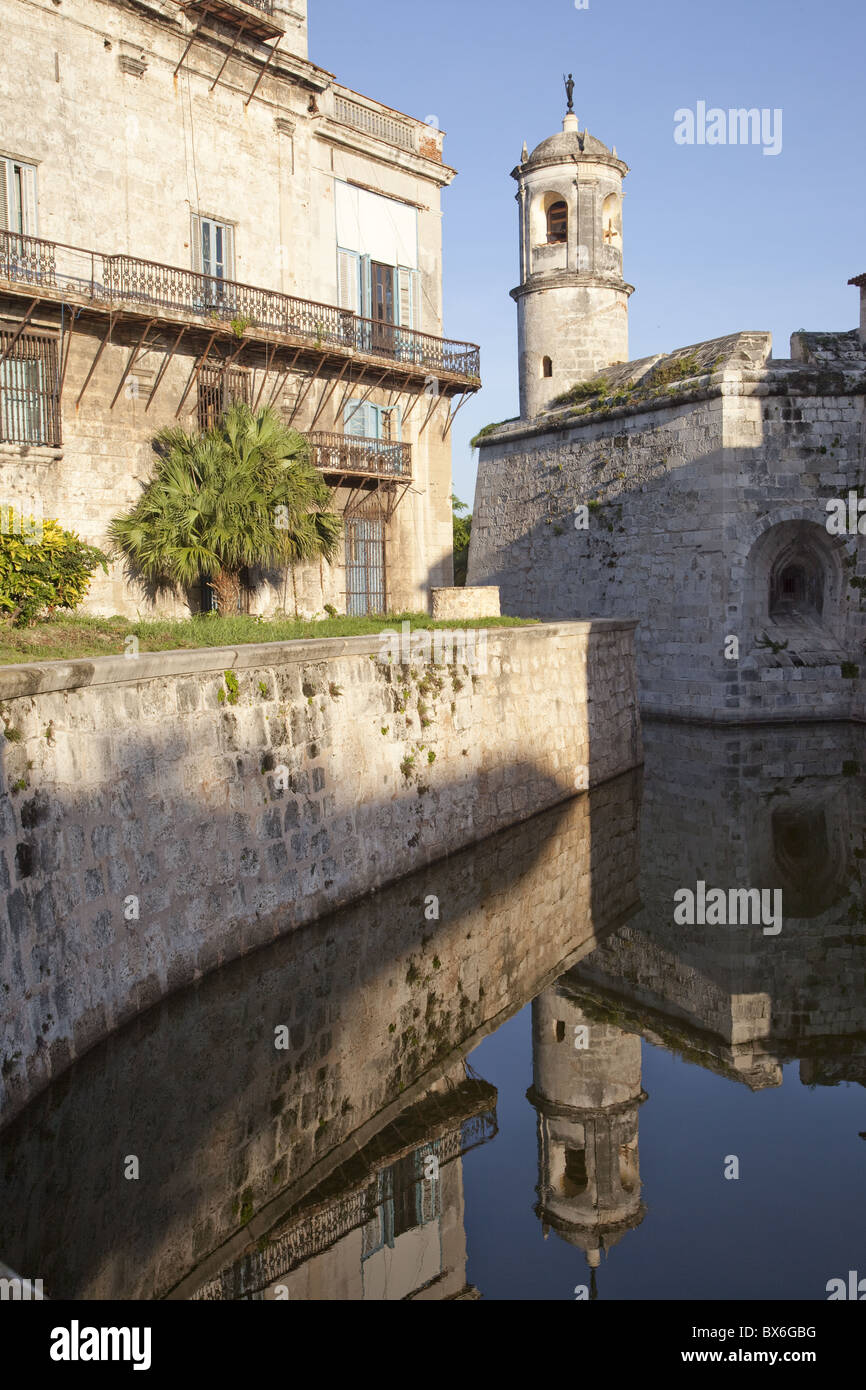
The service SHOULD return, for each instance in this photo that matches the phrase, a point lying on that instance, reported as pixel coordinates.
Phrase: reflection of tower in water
(586, 1090)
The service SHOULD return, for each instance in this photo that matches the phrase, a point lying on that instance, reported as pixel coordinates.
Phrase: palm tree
(244, 492)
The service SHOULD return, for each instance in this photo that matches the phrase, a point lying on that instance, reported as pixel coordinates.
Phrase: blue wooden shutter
(366, 287)
(228, 251)
(406, 297)
(29, 217)
(396, 422)
(360, 419)
(349, 280)
(195, 243)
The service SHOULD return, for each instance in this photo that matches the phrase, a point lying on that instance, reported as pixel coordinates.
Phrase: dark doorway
(796, 587)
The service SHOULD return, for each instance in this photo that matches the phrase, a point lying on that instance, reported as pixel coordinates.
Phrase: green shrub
(462, 529)
(52, 571)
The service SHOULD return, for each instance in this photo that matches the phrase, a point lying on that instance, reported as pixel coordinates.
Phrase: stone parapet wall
(163, 814)
(462, 602)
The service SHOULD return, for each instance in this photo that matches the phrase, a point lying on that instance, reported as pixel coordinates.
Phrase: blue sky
(716, 238)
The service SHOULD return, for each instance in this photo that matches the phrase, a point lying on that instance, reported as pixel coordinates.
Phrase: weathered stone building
(191, 211)
(689, 490)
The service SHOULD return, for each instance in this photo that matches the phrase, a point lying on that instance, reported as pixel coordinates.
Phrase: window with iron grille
(365, 561)
(218, 388)
(29, 404)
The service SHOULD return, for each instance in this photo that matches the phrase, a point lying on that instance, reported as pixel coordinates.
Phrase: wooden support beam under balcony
(353, 456)
(275, 328)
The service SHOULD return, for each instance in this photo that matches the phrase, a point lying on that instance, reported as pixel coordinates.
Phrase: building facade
(192, 212)
(698, 491)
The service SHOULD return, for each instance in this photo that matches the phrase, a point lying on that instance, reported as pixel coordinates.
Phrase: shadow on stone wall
(676, 540)
(160, 817)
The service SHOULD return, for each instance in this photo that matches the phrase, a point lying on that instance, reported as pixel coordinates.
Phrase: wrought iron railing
(127, 280)
(265, 6)
(311, 1232)
(350, 453)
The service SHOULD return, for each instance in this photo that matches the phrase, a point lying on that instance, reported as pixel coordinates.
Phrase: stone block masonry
(164, 814)
(460, 602)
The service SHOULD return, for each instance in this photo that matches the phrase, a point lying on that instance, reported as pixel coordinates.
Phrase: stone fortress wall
(164, 814)
(697, 498)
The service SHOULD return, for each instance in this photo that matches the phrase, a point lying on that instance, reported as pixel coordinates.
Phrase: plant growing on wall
(48, 570)
(243, 493)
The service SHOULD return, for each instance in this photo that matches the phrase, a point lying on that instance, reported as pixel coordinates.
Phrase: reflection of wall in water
(375, 998)
(772, 808)
(587, 1100)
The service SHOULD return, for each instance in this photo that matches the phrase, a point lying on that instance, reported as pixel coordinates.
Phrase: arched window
(557, 222)
(546, 367)
(611, 221)
(575, 1179)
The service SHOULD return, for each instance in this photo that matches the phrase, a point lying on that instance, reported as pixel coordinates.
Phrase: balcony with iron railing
(47, 270)
(353, 454)
(253, 17)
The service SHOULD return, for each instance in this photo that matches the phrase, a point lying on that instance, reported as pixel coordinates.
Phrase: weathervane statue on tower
(569, 90)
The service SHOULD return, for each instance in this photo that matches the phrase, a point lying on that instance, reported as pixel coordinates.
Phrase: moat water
(512, 1076)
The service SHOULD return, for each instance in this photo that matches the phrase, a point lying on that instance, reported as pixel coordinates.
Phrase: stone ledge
(40, 677)
(31, 453)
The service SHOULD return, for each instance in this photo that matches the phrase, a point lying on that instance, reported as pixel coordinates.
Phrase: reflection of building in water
(235, 1132)
(776, 809)
(388, 1223)
(587, 1090)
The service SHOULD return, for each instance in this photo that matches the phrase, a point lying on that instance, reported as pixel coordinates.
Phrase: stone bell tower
(572, 302)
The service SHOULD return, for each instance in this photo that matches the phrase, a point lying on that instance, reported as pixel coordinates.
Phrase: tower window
(576, 1179)
(557, 223)
(546, 367)
(611, 220)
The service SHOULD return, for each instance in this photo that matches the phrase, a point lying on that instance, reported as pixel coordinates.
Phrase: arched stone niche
(793, 584)
(800, 843)
(549, 230)
(611, 221)
(549, 218)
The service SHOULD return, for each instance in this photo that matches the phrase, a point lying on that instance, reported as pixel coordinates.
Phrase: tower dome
(572, 302)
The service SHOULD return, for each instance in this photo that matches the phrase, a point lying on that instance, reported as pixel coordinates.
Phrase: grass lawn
(62, 638)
